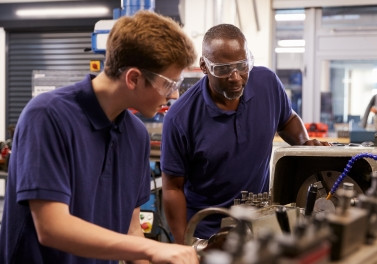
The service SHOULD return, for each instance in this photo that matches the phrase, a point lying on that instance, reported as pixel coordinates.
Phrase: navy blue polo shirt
(66, 150)
(220, 153)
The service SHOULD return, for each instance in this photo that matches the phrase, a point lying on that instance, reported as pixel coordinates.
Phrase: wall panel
(41, 51)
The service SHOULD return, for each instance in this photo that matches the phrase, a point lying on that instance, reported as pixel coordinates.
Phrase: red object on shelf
(317, 129)
(155, 144)
(4, 152)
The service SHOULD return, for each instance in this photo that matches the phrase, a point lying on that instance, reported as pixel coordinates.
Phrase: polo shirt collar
(91, 107)
(213, 110)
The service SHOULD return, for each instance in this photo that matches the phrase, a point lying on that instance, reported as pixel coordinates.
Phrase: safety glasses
(162, 84)
(224, 70)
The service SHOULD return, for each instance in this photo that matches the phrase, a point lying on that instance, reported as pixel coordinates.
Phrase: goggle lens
(224, 70)
(162, 84)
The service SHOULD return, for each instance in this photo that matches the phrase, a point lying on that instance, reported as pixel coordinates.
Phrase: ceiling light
(63, 12)
(289, 50)
(289, 17)
(291, 43)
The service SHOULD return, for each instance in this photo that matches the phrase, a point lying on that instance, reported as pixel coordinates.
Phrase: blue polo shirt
(66, 150)
(220, 153)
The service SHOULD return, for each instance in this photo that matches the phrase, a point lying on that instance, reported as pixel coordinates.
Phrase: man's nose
(174, 95)
(234, 74)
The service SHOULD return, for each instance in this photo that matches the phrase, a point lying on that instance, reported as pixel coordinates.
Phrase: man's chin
(233, 95)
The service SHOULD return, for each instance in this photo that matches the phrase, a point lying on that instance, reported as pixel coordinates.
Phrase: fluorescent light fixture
(289, 50)
(289, 17)
(92, 11)
(291, 43)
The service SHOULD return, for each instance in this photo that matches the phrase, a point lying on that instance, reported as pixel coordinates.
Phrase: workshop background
(324, 52)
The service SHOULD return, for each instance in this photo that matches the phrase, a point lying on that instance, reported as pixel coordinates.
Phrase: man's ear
(132, 78)
(202, 65)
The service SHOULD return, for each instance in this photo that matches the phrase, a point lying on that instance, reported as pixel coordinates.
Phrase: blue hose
(347, 170)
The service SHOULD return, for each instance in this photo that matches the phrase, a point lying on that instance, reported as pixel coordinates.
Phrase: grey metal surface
(292, 166)
(41, 51)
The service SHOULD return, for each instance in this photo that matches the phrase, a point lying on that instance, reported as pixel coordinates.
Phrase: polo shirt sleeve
(145, 186)
(41, 159)
(173, 147)
(285, 102)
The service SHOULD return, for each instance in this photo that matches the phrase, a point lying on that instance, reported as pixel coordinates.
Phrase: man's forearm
(175, 211)
(294, 131)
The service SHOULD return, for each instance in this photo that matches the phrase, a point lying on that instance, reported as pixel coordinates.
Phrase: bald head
(221, 32)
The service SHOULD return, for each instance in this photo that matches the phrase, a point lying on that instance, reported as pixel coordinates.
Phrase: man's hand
(316, 142)
(173, 253)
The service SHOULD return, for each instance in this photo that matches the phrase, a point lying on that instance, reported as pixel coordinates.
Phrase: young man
(79, 169)
(217, 138)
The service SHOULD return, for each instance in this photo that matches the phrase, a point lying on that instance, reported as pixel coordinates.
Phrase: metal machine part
(241, 244)
(310, 199)
(323, 206)
(309, 242)
(229, 245)
(283, 220)
(189, 238)
(254, 199)
(324, 180)
(267, 217)
(294, 168)
(249, 235)
(348, 224)
(327, 227)
(369, 203)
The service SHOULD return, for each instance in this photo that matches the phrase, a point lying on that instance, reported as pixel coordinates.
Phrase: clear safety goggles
(164, 85)
(224, 70)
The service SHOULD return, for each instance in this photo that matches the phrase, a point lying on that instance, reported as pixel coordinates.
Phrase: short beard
(233, 96)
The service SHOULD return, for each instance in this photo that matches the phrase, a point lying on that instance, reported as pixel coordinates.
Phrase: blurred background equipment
(329, 218)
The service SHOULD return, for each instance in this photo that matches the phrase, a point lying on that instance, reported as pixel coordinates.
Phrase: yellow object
(146, 227)
(95, 66)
